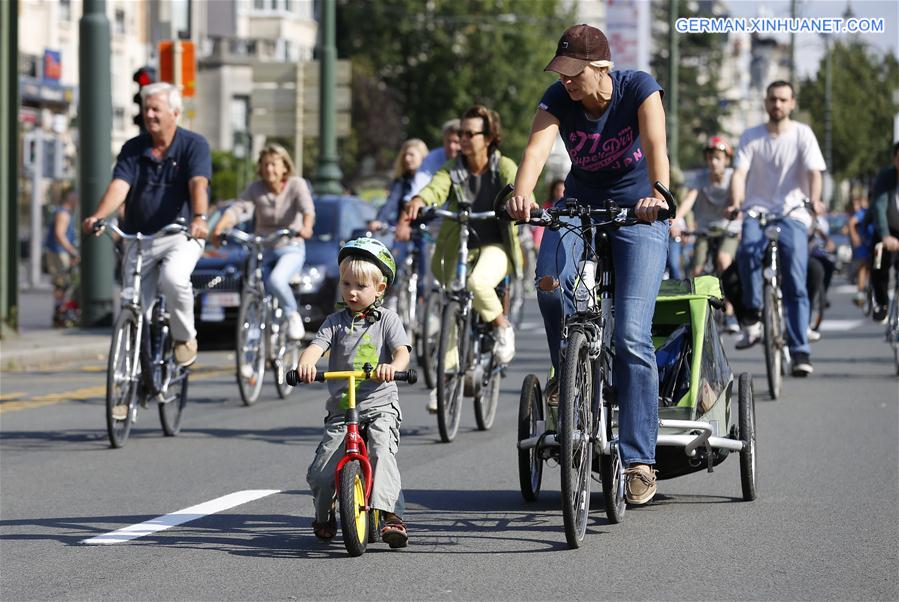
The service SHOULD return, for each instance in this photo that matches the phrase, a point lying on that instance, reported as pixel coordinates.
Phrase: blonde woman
(279, 199)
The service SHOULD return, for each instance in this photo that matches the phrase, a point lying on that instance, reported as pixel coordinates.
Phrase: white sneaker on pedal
(505, 343)
(432, 401)
(295, 328)
(813, 336)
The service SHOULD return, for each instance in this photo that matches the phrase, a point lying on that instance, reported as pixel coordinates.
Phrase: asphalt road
(825, 524)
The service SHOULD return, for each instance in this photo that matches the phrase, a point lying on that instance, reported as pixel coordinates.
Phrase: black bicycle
(466, 364)
(141, 364)
(582, 434)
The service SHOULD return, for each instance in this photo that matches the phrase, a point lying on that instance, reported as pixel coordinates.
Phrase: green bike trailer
(695, 380)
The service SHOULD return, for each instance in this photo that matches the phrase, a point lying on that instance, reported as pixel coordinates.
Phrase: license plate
(221, 300)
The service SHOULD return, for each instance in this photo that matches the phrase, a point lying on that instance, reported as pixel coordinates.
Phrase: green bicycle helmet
(373, 250)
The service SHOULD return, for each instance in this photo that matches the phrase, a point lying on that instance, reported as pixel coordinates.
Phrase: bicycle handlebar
(176, 228)
(429, 213)
(573, 208)
(410, 376)
(241, 237)
(771, 216)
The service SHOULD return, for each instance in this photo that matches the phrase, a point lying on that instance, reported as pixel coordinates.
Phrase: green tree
(417, 64)
(701, 54)
(230, 176)
(862, 108)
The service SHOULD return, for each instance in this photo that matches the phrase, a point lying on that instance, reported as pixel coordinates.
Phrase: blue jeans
(279, 265)
(793, 245)
(639, 253)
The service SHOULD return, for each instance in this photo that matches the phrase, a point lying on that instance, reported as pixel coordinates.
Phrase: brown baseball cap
(579, 46)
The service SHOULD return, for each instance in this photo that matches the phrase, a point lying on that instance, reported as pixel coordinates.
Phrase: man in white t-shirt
(778, 165)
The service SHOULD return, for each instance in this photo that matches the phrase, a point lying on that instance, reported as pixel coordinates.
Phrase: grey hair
(173, 96)
(451, 127)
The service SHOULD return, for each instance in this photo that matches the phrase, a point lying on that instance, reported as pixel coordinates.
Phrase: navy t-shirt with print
(607, 161)
(159, 192)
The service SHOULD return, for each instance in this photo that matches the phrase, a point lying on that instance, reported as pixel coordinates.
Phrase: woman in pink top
(278, 199)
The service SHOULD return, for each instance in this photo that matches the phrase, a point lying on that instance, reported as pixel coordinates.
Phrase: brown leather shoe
(186, 352)
(640, 484)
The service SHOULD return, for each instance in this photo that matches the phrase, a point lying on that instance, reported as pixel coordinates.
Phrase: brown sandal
(394, 533)
(327, 530)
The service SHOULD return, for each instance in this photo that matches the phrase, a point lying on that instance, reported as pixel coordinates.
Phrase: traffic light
(142, 77)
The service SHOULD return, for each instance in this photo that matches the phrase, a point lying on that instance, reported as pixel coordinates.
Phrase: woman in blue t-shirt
(613, 126)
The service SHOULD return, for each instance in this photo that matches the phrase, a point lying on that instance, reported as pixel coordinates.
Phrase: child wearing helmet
(361, 332)
(708, 198)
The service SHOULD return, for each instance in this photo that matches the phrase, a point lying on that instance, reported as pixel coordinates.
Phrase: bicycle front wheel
(773, 338)
(576, 460)
(450, 371)
(121, 379)
(250, 352)
(353, 515)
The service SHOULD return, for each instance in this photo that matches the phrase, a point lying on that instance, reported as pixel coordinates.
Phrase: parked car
(217, 275)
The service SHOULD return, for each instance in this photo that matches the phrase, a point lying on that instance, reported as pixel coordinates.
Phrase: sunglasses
(470, 134)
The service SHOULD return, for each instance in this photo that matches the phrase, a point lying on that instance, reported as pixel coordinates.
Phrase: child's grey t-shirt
(353, 342)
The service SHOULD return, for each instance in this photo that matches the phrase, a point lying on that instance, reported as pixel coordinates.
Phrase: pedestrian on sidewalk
(62, 260)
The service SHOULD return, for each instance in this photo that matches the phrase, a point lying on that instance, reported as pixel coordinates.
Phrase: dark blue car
(217, 276)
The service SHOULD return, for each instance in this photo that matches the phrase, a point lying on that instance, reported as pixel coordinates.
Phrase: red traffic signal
(144, 76)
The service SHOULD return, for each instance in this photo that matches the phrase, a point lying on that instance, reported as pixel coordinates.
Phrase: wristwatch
(201, 216)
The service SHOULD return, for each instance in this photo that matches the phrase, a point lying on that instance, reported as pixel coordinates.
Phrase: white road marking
(161, 523)
(839, 325)
(844, 289)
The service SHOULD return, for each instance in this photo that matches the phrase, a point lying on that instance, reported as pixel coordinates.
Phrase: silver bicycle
(261, 323)
(141, 364)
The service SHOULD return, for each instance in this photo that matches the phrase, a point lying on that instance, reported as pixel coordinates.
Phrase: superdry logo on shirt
(589, 152)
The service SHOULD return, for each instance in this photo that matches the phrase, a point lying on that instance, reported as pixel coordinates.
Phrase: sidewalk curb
(18, 355)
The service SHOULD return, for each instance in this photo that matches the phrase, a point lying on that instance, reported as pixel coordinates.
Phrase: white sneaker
(752, 334)
(813, 336)
(295, 328)
(505, 344)
(432, 401)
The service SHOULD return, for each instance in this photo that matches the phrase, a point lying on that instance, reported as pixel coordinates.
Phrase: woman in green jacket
(475, 177)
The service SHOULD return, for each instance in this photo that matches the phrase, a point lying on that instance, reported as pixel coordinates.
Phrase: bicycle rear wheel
(353, 515)
(286, 357)
(454, 334)
(250, 352)
(530, 415)
(773, 339)
(172, 409)
(576, 394)
(746, 411)
(121, 379)
(487, 399)
(429, 340)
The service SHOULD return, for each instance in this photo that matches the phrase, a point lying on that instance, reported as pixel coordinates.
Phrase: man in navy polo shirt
(163, 175)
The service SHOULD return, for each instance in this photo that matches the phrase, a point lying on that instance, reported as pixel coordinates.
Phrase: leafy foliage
(417, 64)
(230, 175)
(862, 108)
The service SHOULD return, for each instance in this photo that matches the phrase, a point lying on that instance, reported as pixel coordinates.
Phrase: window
(118, 119)
(119, 28)
(240, 112)
(65, 10)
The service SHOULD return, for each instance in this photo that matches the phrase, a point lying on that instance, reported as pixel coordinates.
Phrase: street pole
(673, 61)
(828, 113)
(328, 176)
(793, 47)
(9, 168)
(95, 124)
(34, 213)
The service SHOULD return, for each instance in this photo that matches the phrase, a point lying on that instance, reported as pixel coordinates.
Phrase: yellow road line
(11, 396)
(84, 393)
